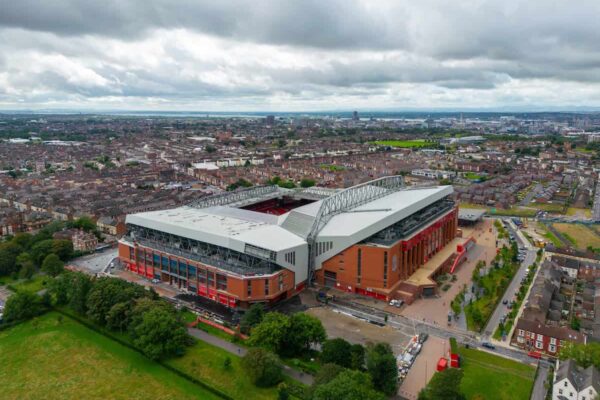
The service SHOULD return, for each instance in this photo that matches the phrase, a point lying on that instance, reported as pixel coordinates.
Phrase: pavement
(423, 368)
(539, 386)
(240, 351)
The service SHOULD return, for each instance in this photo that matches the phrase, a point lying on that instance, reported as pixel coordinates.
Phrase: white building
(572, 382)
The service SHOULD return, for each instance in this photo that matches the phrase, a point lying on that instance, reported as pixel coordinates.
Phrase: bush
(263, 367)
(22, 306)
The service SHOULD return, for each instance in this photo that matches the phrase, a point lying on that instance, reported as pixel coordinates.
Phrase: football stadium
(264, 244)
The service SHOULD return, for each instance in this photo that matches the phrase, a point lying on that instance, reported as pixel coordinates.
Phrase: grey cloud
(326, 24)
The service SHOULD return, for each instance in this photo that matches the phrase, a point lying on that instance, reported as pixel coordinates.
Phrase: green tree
(23, 306)
(305, 183)
(337, 351)
(252, 317)
(40, 250)
(52, 265)
(583, 354)
(381, 365)
(106, 292)
(357, 356)
(118, 317)
(25, 265)
(304, 331)
(263, 367)
(63, 248)
(8, 257)
(271, 332)
(348, 385)
(160, 334)
(22, 240)
(283, 393)
(444, 385)
(327, 373)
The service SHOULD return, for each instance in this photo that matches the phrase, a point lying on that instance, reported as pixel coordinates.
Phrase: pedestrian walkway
(240, 351)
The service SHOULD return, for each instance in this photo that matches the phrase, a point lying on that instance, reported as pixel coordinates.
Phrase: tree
(52, 265)
(327, 373)
(304, 331)
(337, 351)
(40, 250)
(25, 265)
(63, 248)
(263, 367)
(305, 183)
(348, 385)
(357, 356)
(252, 317)
(583, 354)
(106, 292)
(23, 306)
(160, 334)
(381, 365)
(283, 393)
(271, 332)
(118, 317)
(8, 257)
(444, 385)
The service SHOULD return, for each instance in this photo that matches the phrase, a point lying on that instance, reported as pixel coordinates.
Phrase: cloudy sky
(299, 55)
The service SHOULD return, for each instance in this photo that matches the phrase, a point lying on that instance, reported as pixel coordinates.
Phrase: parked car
(423, 337)
(155, 280)
(505, 301)
(488, 345)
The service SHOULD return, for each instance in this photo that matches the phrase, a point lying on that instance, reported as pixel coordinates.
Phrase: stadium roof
(232, 227)
(470, 214)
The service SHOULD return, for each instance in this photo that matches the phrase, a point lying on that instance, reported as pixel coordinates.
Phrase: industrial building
(264, 244)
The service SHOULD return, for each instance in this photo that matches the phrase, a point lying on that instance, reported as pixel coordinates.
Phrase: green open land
(549, 207)
(405, 144)
(490, 377)
(207, 363)
(33, 285)
(58, 358)
(473, 176)
(579, 235)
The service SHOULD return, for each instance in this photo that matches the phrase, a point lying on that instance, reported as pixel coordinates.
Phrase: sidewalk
(240, 351)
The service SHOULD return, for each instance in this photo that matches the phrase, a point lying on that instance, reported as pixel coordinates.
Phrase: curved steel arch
(346, 200)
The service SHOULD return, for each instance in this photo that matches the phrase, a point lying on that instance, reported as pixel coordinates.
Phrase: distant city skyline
(299, 56)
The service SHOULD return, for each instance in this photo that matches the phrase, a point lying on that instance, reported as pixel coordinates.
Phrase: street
(514, 285)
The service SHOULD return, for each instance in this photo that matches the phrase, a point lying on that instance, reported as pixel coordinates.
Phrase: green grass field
(405, 144)
(207, 363)
(332, 167)
(490, 377)
(49, 359)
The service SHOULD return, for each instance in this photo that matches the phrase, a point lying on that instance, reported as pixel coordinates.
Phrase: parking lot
(355, 330)
(94, 263)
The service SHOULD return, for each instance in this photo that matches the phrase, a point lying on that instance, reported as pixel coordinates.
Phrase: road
(596, 207)
(515, 284)
(405, 324)
(239, 351)
(539, 388)
(531, 194)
